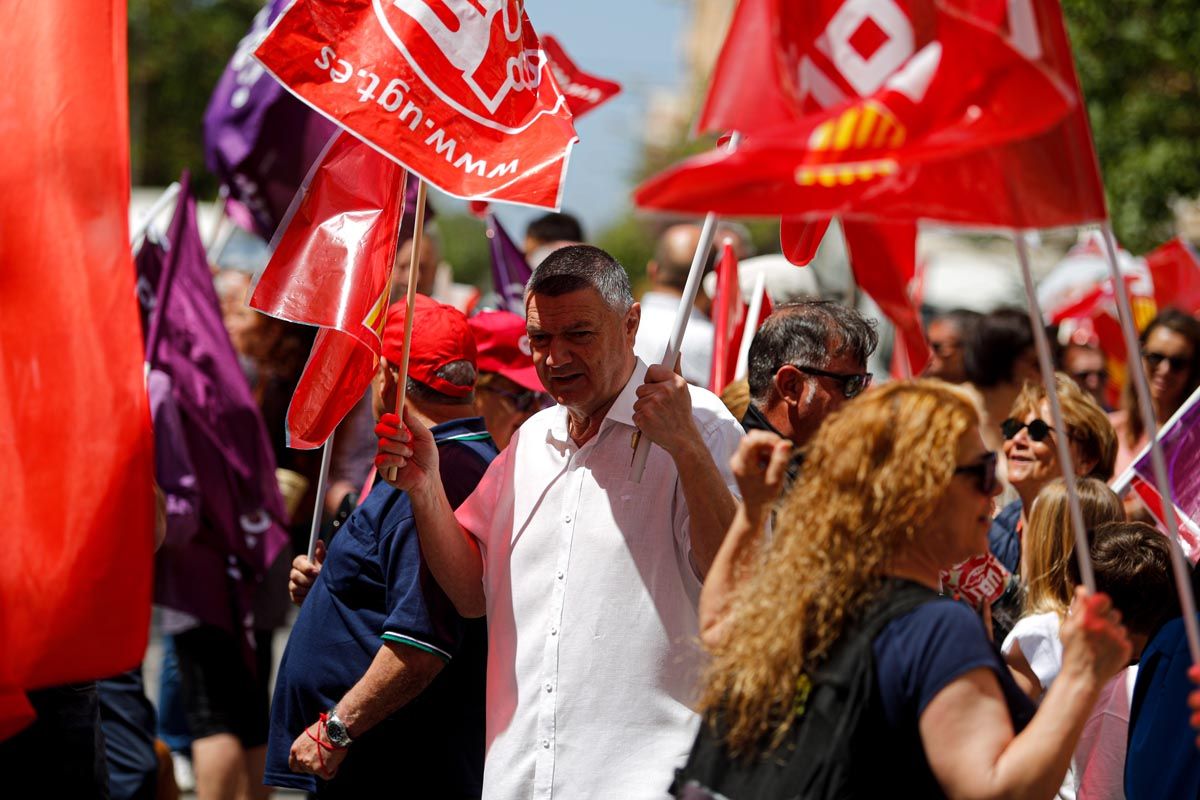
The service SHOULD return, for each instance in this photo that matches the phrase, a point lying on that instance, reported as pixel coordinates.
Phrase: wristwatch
(335, 729)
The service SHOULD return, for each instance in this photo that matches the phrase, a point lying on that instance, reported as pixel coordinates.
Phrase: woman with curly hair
(895, 488)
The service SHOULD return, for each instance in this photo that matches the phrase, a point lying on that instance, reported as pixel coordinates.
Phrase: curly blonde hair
(872, 477)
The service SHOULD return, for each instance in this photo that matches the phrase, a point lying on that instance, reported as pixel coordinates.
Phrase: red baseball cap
(504, 347)
(440, 337)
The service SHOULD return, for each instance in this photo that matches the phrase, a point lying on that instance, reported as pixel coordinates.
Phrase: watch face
(335, 729)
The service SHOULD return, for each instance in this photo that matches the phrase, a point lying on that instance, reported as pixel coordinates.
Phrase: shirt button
(549, 687)
(560, 575)
(554, 631)
(567, 518)
(545, 744)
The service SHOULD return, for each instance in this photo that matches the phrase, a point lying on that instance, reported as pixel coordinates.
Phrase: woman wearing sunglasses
(1031, 453)
(1171, 358)
(867, 528)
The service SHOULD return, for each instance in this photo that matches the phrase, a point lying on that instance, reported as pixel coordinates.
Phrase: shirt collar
(621, 410)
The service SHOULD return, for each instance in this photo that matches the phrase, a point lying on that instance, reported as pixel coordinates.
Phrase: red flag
(76, 440)
(729, 318)
(1175, 270)
(584, 91)
(884, 257)
(460, 93)
(332, 267)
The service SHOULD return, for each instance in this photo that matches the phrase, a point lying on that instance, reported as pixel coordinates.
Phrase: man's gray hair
(457, 373)
(808, 334)
(581, 266)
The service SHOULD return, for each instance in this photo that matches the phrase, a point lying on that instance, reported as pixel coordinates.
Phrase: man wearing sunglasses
(806, 361)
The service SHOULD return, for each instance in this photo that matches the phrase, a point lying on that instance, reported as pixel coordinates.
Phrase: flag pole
(752, 315)
(318, 508)
(410, 301)
(1141, 385)
(165, 199)
(682, 314)
(1042, 342)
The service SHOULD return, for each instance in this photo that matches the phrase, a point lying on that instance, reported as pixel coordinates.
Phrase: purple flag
(510, 272)
(259, 139)
(1180, 439)
(213, 573)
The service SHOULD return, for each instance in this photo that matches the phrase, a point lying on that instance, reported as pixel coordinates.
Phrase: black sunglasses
(852, 385)
(1084, 375)
(984, 472)
(522, 401)
(1039, 429)
(1174, 363)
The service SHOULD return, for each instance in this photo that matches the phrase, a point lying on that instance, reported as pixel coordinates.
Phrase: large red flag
(332, 267)
(458, 92)
(75, 440)
(584, 91)
(1175, 271)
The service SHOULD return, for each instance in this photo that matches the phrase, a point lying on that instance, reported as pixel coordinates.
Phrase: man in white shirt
(588, 579)
(668, 272)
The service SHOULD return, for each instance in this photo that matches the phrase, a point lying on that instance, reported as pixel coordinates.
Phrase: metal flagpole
(682, 314)
(752, 320)
(1082, 551)
(1141, 385)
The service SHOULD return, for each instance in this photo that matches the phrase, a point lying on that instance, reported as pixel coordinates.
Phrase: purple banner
(259, 139)
(510, 272)
(1181, 447)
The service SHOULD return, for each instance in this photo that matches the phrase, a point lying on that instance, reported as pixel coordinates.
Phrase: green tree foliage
(177, 52)
(465, 247)
(1139, 63)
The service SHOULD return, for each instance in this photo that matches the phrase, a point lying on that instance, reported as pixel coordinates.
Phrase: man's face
(1086, 366)
(811, 398)
(946, 355)
(582, 349)
(427, 266)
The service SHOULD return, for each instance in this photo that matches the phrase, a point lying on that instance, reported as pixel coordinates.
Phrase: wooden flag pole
(410, 300)
(1042, 342)
(318, 508)
(688, 301)
(1162, 480)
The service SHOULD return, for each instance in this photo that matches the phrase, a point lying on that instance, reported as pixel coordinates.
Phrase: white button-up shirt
(591, 592)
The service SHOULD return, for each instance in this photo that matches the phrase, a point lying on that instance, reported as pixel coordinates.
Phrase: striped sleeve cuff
(400, 638)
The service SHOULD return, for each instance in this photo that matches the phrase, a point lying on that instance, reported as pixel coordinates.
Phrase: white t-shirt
(591, 594)
(1098, 766)
(654, 332)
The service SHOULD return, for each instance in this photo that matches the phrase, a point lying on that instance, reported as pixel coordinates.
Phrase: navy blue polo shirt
(374, 587)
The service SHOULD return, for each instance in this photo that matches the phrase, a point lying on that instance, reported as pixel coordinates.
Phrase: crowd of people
(788, 603)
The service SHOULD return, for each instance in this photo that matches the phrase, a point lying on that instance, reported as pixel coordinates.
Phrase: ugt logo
(477, 55)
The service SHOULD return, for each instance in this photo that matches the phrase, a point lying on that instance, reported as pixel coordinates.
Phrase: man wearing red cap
(381, 685)
(508, 391)
(589, 580)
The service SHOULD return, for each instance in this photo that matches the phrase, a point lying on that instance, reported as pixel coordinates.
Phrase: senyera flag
(259, 139)
(584, 91)
(332, 268)
(76, 441)
(459, 93)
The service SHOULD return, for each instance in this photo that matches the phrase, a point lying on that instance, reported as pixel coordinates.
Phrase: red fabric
(1175, 270)
(437, 86)
(729, 317)
(75, 441)
(503, 347)
(440, 336)
(584, 91)
(800, 238)
(332, 267)
(884, 259)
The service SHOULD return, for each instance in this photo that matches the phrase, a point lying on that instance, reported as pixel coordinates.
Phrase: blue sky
(635, 42)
